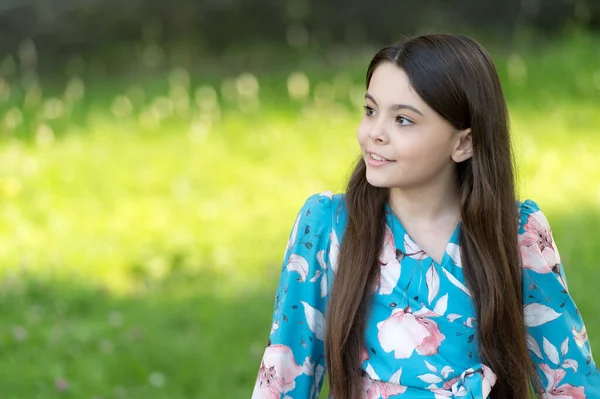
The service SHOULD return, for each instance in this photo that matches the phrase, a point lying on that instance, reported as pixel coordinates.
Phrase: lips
(378, 157)
(375, 160)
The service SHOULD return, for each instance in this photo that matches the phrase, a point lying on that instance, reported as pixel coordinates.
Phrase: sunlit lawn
(143, 225)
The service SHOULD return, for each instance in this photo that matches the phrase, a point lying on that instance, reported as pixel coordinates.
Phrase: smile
(377, 160)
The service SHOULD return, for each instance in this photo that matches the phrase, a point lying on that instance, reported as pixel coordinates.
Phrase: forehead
(390, 85)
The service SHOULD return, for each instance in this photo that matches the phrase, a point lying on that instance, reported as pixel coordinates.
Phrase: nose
(377, 133)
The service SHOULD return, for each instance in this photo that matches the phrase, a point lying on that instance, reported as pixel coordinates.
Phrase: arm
(293, 363)
(556, 335)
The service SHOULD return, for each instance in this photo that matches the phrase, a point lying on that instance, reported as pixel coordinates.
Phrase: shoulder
(317, 212)
(531, 217)
(323, 203)
(317, 205)
(528, 207)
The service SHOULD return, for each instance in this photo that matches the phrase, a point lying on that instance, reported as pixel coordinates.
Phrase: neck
(430, 203)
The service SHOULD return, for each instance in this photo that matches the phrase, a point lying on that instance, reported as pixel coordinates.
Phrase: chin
(377, 181)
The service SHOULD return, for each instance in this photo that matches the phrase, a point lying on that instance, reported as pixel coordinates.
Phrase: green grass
(140, 253)
(162, 344)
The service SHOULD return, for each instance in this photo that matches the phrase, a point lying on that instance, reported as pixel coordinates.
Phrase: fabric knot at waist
(474, 383)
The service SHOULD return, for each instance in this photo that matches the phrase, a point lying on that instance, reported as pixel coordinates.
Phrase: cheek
(421, 147)
(362, 133)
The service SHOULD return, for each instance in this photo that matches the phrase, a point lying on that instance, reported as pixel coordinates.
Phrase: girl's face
(404, 142)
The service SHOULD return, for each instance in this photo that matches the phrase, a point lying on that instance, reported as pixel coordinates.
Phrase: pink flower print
(431, 344)
(566, 391)
(403, 333)
(389, 265)
(448, 384)
(538, 250)
(374, 389)
(277, 373)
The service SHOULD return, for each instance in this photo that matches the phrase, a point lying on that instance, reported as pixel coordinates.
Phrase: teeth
(375, 157)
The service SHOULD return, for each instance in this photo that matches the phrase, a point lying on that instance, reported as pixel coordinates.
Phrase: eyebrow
(396, 106)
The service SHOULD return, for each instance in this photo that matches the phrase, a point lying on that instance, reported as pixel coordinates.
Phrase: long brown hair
(456, 77)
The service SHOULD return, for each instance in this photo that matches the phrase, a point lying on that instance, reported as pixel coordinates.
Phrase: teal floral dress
(420, 339)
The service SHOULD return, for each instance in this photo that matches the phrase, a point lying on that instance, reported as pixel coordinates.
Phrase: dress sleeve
(556, 335)
(293, 363)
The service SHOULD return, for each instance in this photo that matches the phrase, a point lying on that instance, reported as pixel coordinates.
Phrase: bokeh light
(152, 161)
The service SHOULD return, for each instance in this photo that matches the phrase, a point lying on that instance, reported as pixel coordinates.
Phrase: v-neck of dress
(393, 220)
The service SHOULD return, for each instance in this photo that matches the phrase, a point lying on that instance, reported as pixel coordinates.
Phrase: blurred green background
(153, 157)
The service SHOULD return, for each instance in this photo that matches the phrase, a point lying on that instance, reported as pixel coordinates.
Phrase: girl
(426, 279)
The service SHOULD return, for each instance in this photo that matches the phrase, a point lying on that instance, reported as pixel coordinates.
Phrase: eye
(404, 121)
(368, 110)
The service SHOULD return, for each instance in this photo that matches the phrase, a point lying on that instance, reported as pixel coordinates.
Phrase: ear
(463, 149)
